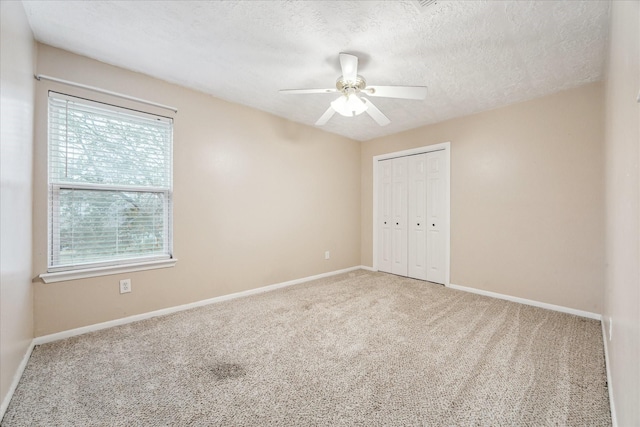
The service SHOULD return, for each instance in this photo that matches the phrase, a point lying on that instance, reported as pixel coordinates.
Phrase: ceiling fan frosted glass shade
(349, 106)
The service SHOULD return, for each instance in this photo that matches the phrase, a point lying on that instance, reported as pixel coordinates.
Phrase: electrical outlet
(327, 255)
(125, 286)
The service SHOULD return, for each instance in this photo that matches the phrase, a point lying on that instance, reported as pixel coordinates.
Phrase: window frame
(79, 270)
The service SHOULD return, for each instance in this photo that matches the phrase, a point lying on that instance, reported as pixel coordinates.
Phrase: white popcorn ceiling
(472, 55)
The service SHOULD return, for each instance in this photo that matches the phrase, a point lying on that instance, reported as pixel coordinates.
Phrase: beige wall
(258, 199)
(622, 155)
(526, 197)
(16, 150)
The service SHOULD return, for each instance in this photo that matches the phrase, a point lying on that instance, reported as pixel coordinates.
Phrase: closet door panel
(385, 248)
(436, 245)
(399, 216)
(417, 217)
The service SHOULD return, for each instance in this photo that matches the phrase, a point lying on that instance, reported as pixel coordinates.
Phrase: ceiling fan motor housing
(348, 87)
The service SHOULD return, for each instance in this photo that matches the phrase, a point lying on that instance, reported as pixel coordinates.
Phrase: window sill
(62, 276)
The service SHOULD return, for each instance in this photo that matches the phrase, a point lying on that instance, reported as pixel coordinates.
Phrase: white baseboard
(16, 379)
(123, 321)
(365, 267)
(607, 363)
(553, 307)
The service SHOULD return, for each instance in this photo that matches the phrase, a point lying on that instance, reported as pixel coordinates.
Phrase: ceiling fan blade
(404, 92)
(303, 91)
(376, 114)
(349, 65)
(326, 116)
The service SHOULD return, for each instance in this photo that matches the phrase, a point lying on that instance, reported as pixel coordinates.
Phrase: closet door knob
(385, 222)
(397, 223)
(418, 224)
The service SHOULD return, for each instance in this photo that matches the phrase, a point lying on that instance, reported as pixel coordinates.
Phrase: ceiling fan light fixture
(349, 105)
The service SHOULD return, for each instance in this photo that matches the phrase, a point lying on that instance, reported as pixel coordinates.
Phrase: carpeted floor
(363, 348)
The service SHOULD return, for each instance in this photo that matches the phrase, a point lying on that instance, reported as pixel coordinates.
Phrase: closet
(411, 216)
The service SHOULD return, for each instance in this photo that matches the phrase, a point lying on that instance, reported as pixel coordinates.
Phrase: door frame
(446, 146)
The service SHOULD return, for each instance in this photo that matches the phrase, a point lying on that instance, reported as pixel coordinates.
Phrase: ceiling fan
(352, 86)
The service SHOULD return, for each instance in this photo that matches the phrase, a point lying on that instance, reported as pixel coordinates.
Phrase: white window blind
(110, 185)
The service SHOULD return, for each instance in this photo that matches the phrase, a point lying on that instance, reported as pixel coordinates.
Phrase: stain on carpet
(223, 371)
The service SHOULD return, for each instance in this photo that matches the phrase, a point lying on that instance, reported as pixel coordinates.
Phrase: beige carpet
(363, 348)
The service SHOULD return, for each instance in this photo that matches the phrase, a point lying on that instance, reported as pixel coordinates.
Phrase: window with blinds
(110, 185)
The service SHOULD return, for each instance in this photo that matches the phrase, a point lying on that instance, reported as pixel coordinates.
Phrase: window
(110, 185)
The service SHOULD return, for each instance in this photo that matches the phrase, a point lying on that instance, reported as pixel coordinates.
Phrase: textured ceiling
(472, 55)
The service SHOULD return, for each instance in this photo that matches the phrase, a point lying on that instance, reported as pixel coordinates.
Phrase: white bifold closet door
(393, 213)
(411, 198)
(417, 210)
(436, 221)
